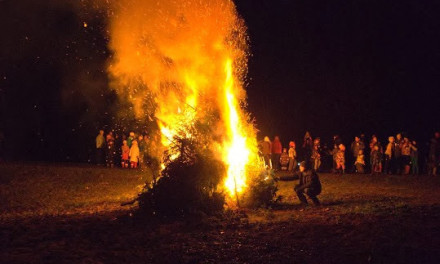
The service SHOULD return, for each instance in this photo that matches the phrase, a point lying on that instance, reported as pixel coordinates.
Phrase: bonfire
(183, 64)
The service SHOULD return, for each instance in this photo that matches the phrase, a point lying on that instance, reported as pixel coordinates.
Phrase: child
(316, 155)
(340, 159)
(414, 158)
(292, 156)
(125, 154)
(360, 162)
(110, 157)
(134, 154)
(376, 160)
(333, 153)
(284, 159)
(130, 139)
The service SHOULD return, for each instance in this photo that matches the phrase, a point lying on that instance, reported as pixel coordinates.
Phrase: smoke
(184, 62)
(174, 52)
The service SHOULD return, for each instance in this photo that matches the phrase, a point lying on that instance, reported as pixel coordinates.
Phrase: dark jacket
(309, 179)
(356, 146)
(277, 147)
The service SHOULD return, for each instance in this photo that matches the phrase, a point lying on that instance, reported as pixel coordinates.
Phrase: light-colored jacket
(134, 153)
(100, 141)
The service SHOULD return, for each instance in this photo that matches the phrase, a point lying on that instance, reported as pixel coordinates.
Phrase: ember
(182, 62)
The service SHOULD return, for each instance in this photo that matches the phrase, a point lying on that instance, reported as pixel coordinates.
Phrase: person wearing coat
(292, 156)
(277, 149)
(266, 149)
(309, 184)
(134, 154)
(125, 154)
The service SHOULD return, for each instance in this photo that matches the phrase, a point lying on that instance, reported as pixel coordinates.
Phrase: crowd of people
(399, 155)
(125, 151)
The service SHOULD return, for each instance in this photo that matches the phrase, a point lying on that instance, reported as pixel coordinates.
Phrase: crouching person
(309, 184)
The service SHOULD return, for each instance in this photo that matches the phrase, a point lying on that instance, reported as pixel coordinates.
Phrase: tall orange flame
(191, 58)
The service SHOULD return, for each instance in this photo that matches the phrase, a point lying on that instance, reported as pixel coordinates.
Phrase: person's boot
(302, 198)
(315, 200)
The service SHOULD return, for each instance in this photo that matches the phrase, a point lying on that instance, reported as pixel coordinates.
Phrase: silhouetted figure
(390, 157)
(356, 146)
(376, 160)
(277, 149)
(100, 144)
(414, 158)
(307, 146)
(110, 150)
(398, 153)
(406, 155)
(434, 153)
(373, 143)
(309, 184)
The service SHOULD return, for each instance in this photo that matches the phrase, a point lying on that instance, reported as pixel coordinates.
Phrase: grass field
(72, 214)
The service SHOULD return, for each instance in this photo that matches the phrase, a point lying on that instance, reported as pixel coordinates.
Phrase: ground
(73, 214)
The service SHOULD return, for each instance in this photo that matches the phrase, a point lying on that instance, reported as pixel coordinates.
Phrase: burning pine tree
(183, 64)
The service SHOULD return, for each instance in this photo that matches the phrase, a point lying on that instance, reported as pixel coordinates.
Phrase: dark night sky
(331, 67)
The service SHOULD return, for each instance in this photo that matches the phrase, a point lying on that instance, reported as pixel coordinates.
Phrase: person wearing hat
(309, 184)
(292, 156)
(266, 150)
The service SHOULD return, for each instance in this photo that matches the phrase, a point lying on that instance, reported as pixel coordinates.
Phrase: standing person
(118, 145)
(125, 154)
(110, 150)
(434, 152)
(100, 144)
(292, 156)
(134, 154)
(130, 139)
(389, 167)
(284, 160)
(373, 143)
(340, 159)
(276, 153)
(334, 153)
(414, 158)
(356, 146)
(142, 146)
(316, 154)
(307, 146)
(406, 155)
(266, 148)
(376, 160)
(309, 184)
(360, 162)
(398, 153)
